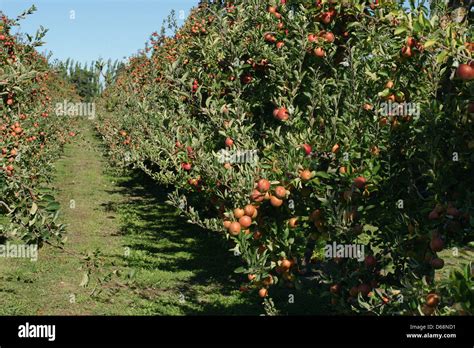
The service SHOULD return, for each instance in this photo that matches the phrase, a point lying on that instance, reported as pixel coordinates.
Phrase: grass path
(150, 263)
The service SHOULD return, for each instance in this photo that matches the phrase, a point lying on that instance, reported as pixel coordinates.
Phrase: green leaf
(417, 27)
(323, 175)
(434, 20)
(389, 268)
(400, 30)
(429, 43)
(441, 58)
(53, 206)
(370, 228)
(421, 20)
(384, 93)
(34, 209)
(32, 221)
(371, 75)
(85, 280)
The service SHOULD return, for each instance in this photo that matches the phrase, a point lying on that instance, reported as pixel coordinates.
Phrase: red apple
(307, 149)
(360, 182)
(465, 72)
(263, 185)
(186, 166)
(229, 142)
(370, 261)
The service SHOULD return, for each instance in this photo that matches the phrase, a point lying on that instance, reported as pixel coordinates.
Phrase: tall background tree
(89, 80)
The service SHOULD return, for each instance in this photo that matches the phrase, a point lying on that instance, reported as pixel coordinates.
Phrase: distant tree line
(89, 79)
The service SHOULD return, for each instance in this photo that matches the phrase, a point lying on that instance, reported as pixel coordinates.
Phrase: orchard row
(303, 83)
(31, 139)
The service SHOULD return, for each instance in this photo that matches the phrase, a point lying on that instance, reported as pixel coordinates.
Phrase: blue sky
(101, 28)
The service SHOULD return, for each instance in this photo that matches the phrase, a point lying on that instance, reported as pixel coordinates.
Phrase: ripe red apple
(306, 175)
(370, 261)
(280, 192)
(319, 52)
(364, 289)
(354, 291)
(285, 264)
(257, 196)
(465, 72)
(436, 244)
(368, 107)
(360, 182)
(433, 215)
(250, 210)
(437, 263)
(411, 42)
(275, 201)
(272, 9)
(246, 79)
(406, 51)
(186, 166)
(281, 114)
(326, 18)
(229, 142)
(293, 222)
(315, 215)
(263, 185)
(432, 300)
(245, 221)
(307, 149)
(234, 228)
(329, 37)
(193, 182)
(263, 292)
(270, 38)
(238, 213)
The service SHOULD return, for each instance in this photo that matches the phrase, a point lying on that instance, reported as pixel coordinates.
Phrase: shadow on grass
(193, 262)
